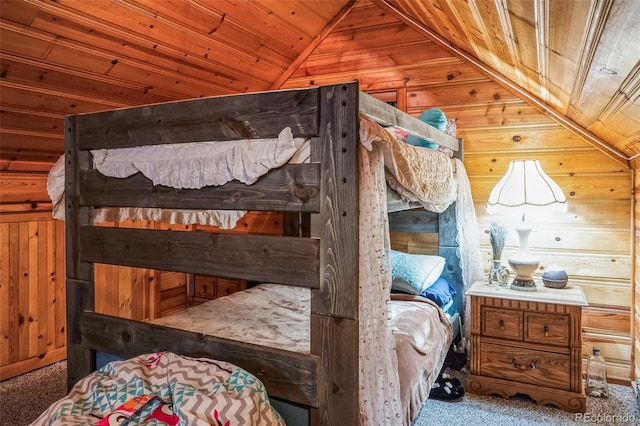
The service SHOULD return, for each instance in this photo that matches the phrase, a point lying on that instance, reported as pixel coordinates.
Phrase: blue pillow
(440, 292)
(434, 117)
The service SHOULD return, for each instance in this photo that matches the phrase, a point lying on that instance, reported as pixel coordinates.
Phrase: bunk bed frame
(327, 188)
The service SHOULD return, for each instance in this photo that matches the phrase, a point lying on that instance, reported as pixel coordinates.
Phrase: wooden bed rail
(261, 258)
(388, 116)
(292, 187)
(289, 375)
(242, 116)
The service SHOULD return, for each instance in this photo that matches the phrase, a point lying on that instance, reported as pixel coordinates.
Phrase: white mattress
(278, 316)
(267, 315)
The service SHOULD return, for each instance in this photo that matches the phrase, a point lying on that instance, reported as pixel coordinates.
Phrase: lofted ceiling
(577, 62)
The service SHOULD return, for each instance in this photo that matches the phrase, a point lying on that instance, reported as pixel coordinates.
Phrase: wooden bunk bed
(332, 261)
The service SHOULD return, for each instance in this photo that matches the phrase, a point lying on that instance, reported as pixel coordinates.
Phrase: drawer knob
(546, 331)
(501, 325)
(531, 366)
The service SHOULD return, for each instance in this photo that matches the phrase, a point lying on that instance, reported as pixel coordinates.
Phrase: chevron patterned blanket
(165, 389)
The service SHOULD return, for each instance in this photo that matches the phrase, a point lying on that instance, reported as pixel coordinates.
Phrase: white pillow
(414, 273)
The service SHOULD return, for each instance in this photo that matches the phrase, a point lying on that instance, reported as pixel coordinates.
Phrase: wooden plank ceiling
(576, 61)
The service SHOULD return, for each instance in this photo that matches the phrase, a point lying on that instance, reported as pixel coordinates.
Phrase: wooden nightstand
(204, 287)
(528, 343)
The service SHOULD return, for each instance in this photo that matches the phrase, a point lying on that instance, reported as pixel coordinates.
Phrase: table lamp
(525, 190)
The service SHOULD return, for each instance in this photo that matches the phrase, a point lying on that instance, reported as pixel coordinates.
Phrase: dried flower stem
(497, 236)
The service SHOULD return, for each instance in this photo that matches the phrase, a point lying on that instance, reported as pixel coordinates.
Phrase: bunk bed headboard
(327, 262)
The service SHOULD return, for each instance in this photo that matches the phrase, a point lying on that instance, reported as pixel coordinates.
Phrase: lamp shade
(526, 188)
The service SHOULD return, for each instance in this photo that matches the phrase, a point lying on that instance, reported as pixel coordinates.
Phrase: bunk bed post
(460, 152)
(335, 305)
(448, 248)
(80, 285)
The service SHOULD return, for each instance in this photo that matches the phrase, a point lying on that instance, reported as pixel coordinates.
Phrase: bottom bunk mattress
(275, 315)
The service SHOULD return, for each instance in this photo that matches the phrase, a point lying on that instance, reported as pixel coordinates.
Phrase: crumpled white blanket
(192, 166)
(198, 164)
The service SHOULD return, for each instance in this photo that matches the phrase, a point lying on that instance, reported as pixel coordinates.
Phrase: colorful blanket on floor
(165, 389)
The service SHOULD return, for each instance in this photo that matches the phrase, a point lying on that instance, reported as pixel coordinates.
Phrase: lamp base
(523, 264)
(523, 285)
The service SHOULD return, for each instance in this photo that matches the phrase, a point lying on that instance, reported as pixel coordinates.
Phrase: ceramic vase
(498, 274)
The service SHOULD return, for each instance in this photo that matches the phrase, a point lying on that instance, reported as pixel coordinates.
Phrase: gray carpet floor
(24, 398)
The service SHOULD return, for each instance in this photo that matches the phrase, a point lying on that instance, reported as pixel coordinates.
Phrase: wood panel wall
(592, 241)
(124, 291)
(32, 295)
(32, 276)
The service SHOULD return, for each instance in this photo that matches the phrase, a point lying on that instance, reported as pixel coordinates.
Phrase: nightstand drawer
(204, 286)
(550, 329)
(525, 365)
(502, 323)
(226, 286)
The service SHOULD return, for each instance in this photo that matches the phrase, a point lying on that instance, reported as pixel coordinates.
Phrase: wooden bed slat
(254, 115)
(289, 375)
(283, 260)
(397, 204)
(293, 187)
(413, 221)
(387, 115)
